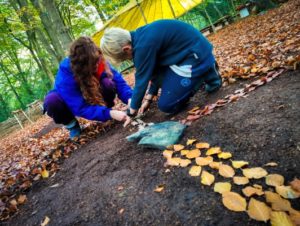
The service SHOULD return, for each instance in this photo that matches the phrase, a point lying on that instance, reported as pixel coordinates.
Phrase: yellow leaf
(274, 180)
(202, 145)
(249, 191)
(257, 186)
(256, 172)
(226, 171)
(207, 178)
(272, 197)
(190, 141)
(167, 154)
(173, 161)
(195, 171)
(239, 164)
(240, 180)
(280, 219)
(271, 164)
(185, 162)
(221, 187)
(287, 192)
(22, 199)
(201, 161)
(258, 210)
(213, 150)
(193, 154)
(184, 152)
(233, 201)
(224, 155)
(278, 203)
(178, 147)
(215, 165)
(45, 173)
(45, 221)
(159, 188)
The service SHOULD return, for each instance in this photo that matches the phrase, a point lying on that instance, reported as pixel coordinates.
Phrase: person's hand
(120, 116)
(145, 105)
(128, 103)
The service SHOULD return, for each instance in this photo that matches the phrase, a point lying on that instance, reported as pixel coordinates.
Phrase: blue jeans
(176, 90)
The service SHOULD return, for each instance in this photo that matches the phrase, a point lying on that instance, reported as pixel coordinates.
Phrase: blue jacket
(69, 91)
(164, 43)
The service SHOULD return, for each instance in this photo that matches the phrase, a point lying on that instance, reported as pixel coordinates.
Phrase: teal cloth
(159, 135)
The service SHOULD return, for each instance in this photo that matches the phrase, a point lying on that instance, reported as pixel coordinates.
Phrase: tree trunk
(210, 21)
(4, 107)
(11, 86)
(97, 6)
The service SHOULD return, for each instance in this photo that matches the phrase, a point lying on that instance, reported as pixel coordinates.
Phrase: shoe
(74, 129)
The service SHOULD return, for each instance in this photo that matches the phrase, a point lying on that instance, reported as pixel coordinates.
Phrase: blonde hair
(112, 42)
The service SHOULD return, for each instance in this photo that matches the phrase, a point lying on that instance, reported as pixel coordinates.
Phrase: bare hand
(120, 116)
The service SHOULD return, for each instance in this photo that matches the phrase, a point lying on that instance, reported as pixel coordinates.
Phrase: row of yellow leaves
(256, 210)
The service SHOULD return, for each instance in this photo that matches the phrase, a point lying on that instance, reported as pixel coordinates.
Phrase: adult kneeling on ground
(171, 55)
(86, 86)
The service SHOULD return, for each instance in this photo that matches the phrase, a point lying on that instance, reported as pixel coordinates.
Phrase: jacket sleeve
(145, 61)
(70, 92)
(124, 91)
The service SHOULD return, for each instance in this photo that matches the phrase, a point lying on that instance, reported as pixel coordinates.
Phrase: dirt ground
(110, 181)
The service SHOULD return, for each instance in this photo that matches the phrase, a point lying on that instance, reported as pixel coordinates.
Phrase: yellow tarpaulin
(140, 12)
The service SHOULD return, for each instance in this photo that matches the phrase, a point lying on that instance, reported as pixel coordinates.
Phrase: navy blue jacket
(165, 43)
(70, 92)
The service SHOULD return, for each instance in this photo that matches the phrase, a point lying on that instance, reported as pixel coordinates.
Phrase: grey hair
(112, 42)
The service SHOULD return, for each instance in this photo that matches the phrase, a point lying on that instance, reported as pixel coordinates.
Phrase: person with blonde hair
(86, 86)
(168, 54)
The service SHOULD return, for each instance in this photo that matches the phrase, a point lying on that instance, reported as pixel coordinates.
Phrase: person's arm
(124, 91)
(145, 61)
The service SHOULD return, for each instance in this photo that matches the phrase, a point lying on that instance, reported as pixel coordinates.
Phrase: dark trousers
(57, 109)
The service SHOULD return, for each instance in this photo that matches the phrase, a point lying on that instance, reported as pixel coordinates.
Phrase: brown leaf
(22, 199)
(202, 145)
(159, 188)
(193, 154)
(45, 221)
(215, 165)
(234, 201)
(203, 161)
(295, 184)
(240, 180)
(249, 191)
(178, 147)
(287, 192)
(167, 154)
(258, 210)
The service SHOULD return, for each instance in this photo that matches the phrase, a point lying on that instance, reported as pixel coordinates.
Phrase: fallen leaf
(167, 154)
(185, 162)
(207, 178)
(178, 147)
(239, 164)
(203, 161)
(190, 141)
(240, 180)
(280, 219)
(274, 180)
(121, 211)
(45, 221)
(257, 186)
(22, 199)
(287, 192)
(256, 172)
(271, 164)
(202, 145)
(213, 150)
(224, 155)
(159, 188)
(195, 171)
(215, 165)
(45, 173)
(234, 201)
(193, 154)
(295, 217)
(295, 184)
(249, 191)
(173, 161)
(226, 171)
(258, 210)
(54, 186)
(222, 187)
(184, 152)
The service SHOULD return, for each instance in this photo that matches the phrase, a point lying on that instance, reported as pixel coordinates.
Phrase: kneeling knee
(166, 108)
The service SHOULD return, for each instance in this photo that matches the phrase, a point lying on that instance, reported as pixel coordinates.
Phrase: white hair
(112, 42)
